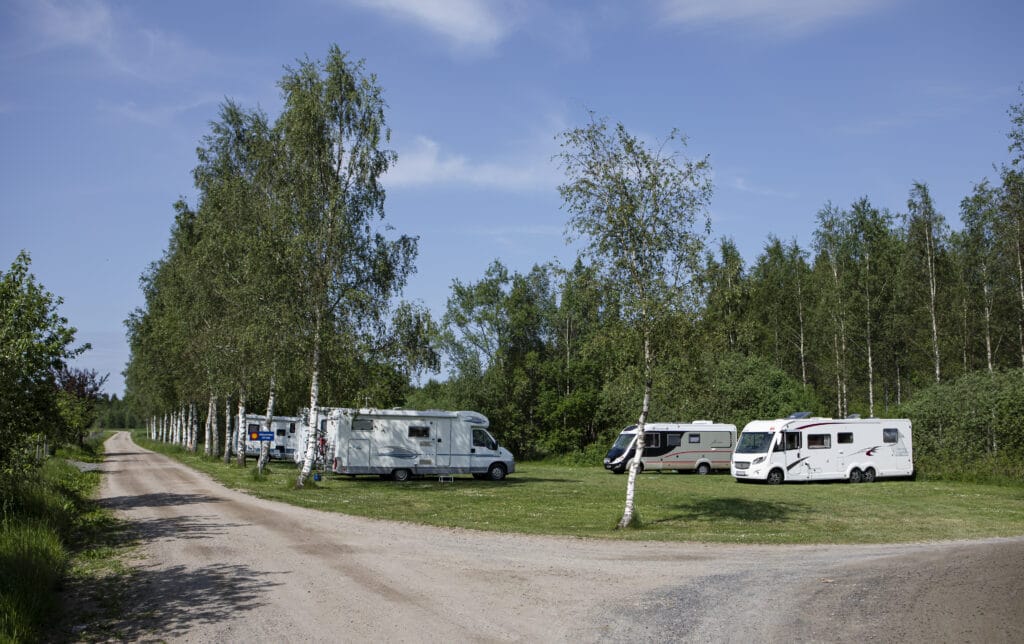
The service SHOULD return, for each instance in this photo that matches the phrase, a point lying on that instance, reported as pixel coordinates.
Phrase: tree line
(281, 284)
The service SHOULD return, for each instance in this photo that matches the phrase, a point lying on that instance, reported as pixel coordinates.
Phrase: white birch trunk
(267, 426)
(213, 431)
(629, 512)
(227, 430)
(240, 434)
(933, 300)
(314, 414)
(207, 429)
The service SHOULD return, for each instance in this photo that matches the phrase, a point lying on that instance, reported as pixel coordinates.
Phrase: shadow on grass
(460, 479)
(735, 509)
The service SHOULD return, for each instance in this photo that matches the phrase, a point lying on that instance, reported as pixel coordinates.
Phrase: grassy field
(587, 502)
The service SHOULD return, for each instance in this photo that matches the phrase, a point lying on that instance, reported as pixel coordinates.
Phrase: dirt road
(222, 566)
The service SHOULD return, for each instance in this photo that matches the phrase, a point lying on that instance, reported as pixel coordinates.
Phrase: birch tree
(332, 132)
(926, 236)
(641, 213)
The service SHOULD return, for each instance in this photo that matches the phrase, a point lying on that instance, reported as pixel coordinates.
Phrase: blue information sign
(261, 436)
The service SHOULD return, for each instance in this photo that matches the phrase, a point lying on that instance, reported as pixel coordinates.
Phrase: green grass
(54, 539)
(542, 498)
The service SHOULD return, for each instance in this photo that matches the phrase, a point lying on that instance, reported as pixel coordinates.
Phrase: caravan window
(281, 432)
(419, 432)
(291, 430)
(890, 435)
(672, 440)
(819, 441)
(693, 438)
(652, 440)
(845, 438)
(362, 425)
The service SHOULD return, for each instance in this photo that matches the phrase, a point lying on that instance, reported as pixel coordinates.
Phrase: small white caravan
(700, 446)
(286, 431)
(800, 448)
(402, 443)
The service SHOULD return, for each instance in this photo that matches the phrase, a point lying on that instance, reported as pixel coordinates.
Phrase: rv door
(484, 449)
(797, 467)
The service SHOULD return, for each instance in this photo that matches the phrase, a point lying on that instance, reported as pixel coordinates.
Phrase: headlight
(759, 459)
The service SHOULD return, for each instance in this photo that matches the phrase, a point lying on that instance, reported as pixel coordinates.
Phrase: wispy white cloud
(158, 115)
(782, 17)
(474, 24)
(425, 164)
(740, 183)
(93, 27)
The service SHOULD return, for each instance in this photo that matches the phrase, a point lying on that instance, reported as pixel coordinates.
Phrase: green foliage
(35, 342)
(970, 429)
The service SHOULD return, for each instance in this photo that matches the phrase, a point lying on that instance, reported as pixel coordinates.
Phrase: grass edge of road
(576, 501)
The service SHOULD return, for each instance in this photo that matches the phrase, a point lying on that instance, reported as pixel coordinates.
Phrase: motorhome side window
(845, 438)
(693, 438)
(291, 429)
(362, 425)
(253, 427)
(672, 440)
(281, 432)
(890, 435)
(652, 440)
(323, 426)
(419, 432)
(819, 441)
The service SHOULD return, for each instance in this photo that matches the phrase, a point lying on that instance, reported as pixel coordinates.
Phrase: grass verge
(53, 539)
(556, 499)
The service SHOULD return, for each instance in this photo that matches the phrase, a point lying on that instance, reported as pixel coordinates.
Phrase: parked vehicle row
(798, 448)
(396, 443)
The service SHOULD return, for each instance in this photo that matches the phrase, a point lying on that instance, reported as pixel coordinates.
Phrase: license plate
(739, 473)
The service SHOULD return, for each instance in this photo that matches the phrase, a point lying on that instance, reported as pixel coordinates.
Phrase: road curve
(219, 565)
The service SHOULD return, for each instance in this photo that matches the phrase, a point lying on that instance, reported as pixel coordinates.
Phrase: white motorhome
(286, 431)
(700, 446)
(823, 449)
(402, 443)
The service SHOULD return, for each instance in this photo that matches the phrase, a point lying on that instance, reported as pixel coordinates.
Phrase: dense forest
(280, 289)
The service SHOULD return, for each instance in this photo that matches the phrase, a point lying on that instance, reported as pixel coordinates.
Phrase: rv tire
(869, 475)
(401, 475)
(496, 472)
(856, 476)
(775, 477)
(703, 468)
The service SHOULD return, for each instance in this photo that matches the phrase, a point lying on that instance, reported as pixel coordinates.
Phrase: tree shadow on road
(157, 500)
(159, 604)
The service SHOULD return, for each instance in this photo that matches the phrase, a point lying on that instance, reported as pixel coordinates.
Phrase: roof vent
(800, 414)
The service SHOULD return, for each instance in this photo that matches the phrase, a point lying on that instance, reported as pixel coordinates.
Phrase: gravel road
(220, 566)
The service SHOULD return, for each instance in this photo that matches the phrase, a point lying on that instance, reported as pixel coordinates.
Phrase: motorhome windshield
(753, 442)
(623, 441)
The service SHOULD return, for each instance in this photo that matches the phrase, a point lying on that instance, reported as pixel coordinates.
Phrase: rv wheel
(856, 476)
(401, 475)
(869, 475)
(703, 468)
(774, 477)
(496, 472)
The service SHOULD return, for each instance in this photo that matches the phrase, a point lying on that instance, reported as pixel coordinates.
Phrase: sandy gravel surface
(222, 566)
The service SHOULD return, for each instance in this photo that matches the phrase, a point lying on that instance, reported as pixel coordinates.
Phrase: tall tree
(332, 131)
(639, 211)
(35, 344)
(926, 238)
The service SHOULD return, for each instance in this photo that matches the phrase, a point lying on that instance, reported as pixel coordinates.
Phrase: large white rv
(700, 446)
(402, 443)
(286, 429)
(823, 449)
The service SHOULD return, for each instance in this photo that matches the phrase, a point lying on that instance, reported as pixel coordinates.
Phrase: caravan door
(443, 442)
(797, 467)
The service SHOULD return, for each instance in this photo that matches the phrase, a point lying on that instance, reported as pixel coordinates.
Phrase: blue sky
(797, 102)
